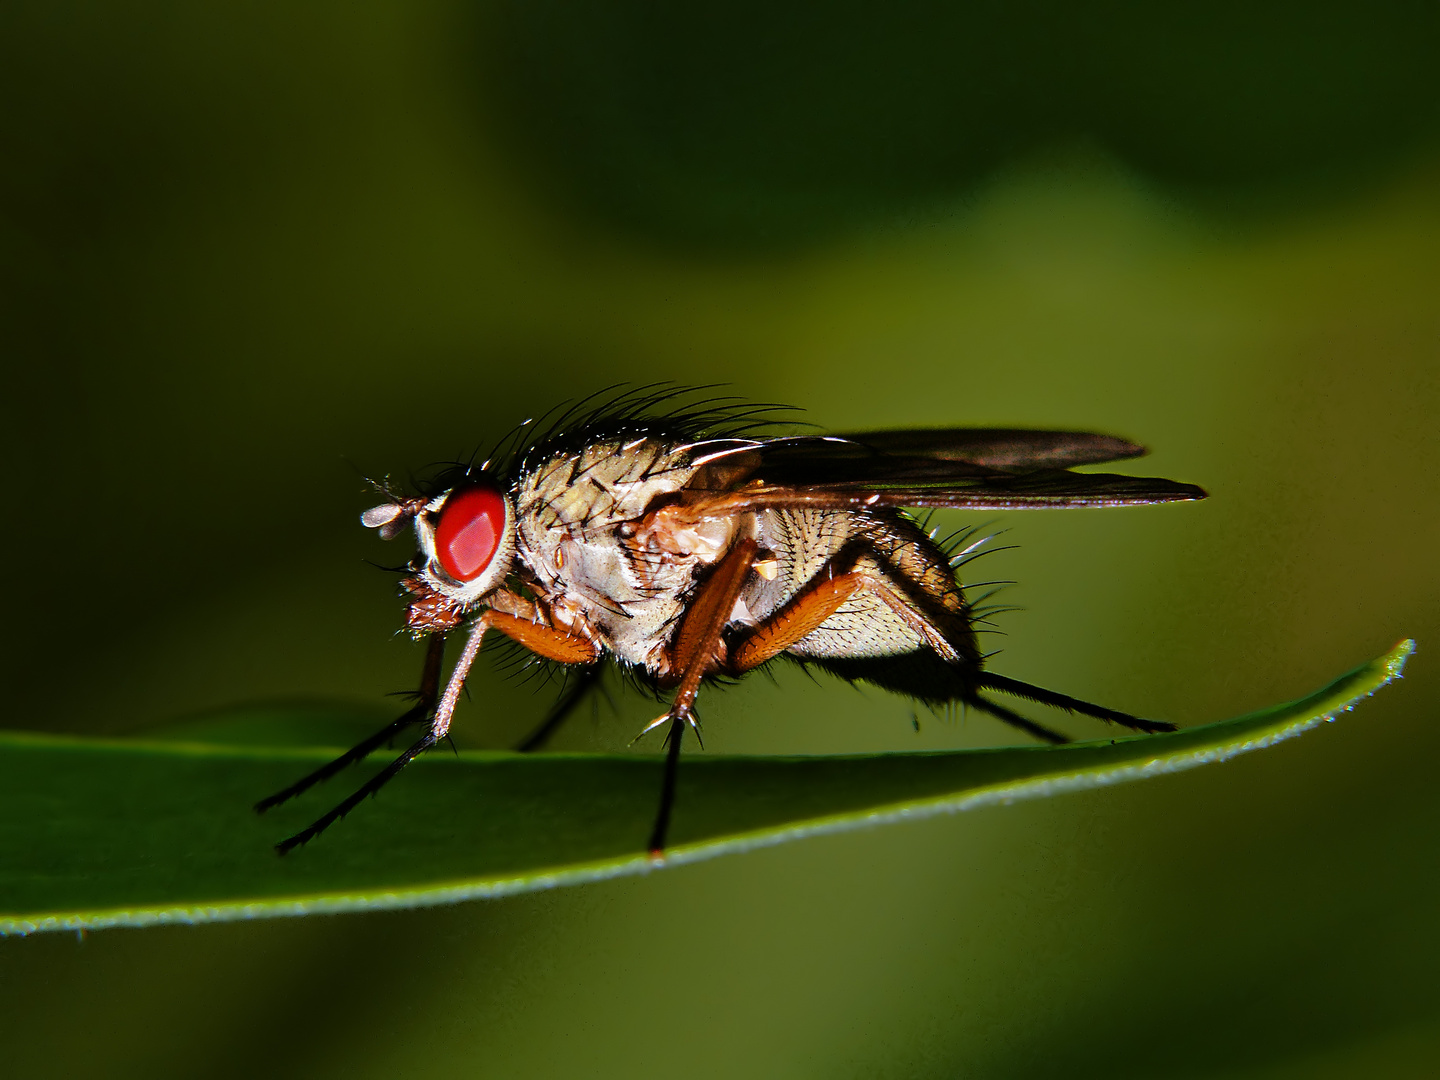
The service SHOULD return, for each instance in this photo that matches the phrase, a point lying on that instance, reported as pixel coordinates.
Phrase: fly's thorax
(592, 529)
(609, 479)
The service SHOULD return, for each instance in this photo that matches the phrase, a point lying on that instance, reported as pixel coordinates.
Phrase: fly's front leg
(551, 642)
(548, 641)
(439, 725)
(560, 645)
(424, 704)
(532, 623)
(692, 656)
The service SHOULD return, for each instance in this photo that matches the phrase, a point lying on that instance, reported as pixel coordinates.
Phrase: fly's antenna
(383, 486)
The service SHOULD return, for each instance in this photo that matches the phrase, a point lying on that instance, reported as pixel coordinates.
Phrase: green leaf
(103, 833)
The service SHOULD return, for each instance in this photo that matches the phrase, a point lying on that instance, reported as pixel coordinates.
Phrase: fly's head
(467, 549)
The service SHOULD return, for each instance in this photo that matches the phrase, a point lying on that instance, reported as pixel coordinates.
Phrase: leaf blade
(105, 833)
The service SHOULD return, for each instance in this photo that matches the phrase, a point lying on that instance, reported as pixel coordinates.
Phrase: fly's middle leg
(692, 657)
(578, 687)
(436, 706)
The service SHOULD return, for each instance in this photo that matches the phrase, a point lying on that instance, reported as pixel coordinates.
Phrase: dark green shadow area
(108, 833)
(752, 125)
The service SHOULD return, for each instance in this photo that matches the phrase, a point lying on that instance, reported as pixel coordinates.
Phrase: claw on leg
(688, 716)
(650, 727)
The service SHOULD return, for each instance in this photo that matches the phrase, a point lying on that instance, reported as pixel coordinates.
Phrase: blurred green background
(252, 253)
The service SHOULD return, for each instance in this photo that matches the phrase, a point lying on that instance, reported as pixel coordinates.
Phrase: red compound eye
(472, 524)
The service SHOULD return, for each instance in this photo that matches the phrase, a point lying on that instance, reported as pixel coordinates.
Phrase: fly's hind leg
(828, 592)
(1014, 719)
(854, 572)
(1038, 694)
(798, 618)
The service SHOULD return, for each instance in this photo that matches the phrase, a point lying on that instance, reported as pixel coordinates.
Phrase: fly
(677, 541)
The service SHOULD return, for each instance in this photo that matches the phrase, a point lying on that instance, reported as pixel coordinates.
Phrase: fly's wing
(969, 468)
(1002, 491)
(998, 448)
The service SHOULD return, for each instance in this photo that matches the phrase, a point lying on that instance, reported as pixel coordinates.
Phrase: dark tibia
(371, 786)
(578, 685)
(667, 789)
(1042, 696)
(1014, 719)
(429, 690)
(354, 754)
